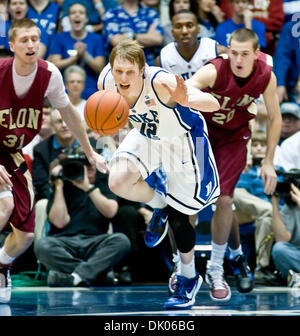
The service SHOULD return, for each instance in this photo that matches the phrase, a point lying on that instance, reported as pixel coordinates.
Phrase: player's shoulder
(267, 59)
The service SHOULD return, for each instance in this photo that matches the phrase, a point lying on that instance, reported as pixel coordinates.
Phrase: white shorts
(189, 165)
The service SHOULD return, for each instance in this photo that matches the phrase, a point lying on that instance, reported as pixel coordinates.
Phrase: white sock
(236, 252)
(188, 270)
(77, 279)
(157, 201)
(217, 253)
(5, 259)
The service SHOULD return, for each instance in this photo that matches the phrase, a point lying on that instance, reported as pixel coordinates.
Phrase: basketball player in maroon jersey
(24, 82)
(235, 79)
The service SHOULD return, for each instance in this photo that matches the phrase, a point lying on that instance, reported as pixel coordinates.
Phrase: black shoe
(60, 279)
(111, 279)
(263, 276)
(125, 276)
(242, 273)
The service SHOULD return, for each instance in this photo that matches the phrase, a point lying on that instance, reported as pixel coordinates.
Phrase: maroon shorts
(23, 215)
(230, 151)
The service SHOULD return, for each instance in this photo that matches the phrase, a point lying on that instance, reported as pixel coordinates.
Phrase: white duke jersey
(171, 60)
(150, 116)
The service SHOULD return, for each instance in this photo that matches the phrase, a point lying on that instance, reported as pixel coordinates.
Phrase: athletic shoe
(293, 279)
(242, 273)
(157, 228)
(185, 293)
(5, 283)
(60, 279)
(218, 288)
(176, 270)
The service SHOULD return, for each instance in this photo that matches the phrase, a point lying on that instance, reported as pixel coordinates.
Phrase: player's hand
(99, 161)
(269, 178)
(179, 93)
(5, 182)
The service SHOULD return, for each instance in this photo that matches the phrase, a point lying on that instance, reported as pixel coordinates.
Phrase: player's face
(18, 9)
(242, 57)
(185, 29)
(26, 45)
(128, 77)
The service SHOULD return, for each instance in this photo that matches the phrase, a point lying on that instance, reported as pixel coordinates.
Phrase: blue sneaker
(157, 228)
(185, 293)
(242, 273)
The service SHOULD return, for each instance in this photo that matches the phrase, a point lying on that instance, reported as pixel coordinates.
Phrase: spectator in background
(286, 227)
(74, 77)
(210, 16)
(95, 10)
(46, 14)
(48, 150)
(174, 7)
(78, 250)
(242, 17)
(287, 62)
(268, 12)
(253, 205)
(132, 20)
(79, 47)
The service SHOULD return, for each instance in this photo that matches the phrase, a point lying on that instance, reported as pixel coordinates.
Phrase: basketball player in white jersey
(169, 135)
(184, 57)
(188, 52)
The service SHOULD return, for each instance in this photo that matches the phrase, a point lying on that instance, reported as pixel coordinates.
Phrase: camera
(73, 162)
(284, 181)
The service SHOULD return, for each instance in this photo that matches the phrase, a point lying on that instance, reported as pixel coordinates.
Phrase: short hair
(259, 135)
(185, 11)
(245, 35)
(22, 23)
(129, 50)
(74, 68)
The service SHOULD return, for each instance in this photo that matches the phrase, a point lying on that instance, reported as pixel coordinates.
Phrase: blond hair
(22, 23)
(129, 50)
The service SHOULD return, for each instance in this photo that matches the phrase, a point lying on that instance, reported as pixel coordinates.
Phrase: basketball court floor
(146, 300)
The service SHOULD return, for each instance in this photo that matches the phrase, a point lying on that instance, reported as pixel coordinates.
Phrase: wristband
(99, 5)
(92, 188)
(90, 57)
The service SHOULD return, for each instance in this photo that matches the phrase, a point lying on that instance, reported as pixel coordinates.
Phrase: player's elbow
(211, 104)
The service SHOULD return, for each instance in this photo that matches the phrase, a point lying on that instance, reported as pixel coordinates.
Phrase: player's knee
(6, 209)
(224, 202)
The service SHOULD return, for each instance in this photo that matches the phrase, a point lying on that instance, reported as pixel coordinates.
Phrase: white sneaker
(293, 279)
(5, 284)
(214, 277)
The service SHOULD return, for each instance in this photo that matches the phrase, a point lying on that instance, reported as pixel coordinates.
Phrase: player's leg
(188, 281)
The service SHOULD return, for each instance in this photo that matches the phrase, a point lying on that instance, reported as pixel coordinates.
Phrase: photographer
(286, 227)
(78, 249)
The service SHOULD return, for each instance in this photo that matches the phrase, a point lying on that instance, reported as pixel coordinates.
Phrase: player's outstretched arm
(73, 121)
(187, 95)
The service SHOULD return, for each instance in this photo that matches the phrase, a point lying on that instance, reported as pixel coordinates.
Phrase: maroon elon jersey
(21, 118)
(236, 102)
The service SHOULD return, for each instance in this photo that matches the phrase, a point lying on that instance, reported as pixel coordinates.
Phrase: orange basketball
(106, 112)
